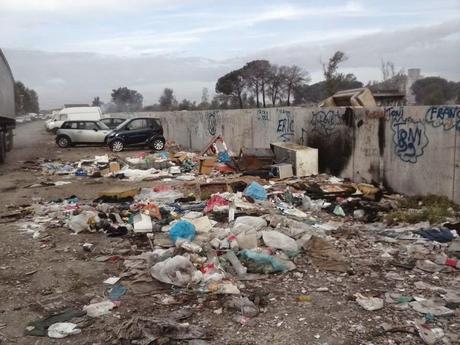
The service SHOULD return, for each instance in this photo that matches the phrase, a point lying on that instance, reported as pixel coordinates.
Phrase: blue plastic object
(163, 154)
(256, 191)
(262, 259)
(116, 292)
(441, 235)
(182, 229)
(80, 172)
(223, 157)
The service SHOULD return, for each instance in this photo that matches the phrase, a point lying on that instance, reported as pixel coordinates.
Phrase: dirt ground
(41, 275)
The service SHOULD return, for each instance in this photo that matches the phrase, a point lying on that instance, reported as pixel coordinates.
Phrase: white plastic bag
(63, 329)
(80, 222)
(278, 240)
(246, 223)
(177, 270)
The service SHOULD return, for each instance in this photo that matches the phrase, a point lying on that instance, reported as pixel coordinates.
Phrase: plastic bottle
(239, 268)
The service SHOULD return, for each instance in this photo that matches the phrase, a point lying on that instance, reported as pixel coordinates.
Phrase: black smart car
(137, 131)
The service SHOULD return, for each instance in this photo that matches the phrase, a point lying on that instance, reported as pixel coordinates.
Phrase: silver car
(81, 132)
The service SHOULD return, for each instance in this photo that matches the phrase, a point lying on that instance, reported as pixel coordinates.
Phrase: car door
(93, 133)
(101, 132)
(137, 131)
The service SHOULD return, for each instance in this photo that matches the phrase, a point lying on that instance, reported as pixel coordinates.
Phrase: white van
(73, 114)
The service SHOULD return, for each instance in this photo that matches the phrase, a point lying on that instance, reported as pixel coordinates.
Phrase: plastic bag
(82, 221)
(177, 270)
(99, 309)
(63, 329)
(266, 263)
(256, 191)
(247, 223)
(215, 200)
(278, 240)
(182, 229)
(223, 157)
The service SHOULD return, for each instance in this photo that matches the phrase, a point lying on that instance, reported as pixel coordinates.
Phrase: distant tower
(413, 74)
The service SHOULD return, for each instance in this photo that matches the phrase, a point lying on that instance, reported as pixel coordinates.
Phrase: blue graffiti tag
(446, 116)
(409, 137)
(263, 115)
(326, 122)
(285, 129)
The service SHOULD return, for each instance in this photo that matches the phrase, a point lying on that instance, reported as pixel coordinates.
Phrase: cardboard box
(207, 165)
(114, 167)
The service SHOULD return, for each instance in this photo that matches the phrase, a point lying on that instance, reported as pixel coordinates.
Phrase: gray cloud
(78, 77)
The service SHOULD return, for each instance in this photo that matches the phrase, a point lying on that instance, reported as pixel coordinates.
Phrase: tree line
(260, 83)
(25, 99)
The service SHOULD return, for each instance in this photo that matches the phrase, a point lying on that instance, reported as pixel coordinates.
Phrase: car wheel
(63, 141)
(2, 148)
(9, 140)
(117, 146)
(158, 144)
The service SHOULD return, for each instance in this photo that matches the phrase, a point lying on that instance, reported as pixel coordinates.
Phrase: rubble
(212, 236)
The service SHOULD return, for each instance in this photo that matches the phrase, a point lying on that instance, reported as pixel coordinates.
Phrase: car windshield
(121, 125)
(102, 125)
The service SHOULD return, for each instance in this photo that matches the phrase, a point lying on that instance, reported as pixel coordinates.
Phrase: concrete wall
(412, 150)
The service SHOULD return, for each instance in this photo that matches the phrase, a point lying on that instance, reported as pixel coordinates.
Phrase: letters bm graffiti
(326, 122)
(446, 116)
(409, 138)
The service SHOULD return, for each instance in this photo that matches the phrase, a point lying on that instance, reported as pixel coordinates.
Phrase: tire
(2, 147)
(9, 140)
(117, 145)
(157, 144)
(63, 141)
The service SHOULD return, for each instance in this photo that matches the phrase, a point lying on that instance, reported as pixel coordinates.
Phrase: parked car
(113, 122)
(138, 131)
(74, 114)
(81, 132)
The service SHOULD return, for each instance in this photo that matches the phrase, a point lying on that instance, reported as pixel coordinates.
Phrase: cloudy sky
(73, 50)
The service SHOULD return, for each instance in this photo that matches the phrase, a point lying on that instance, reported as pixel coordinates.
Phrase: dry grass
(414, 209)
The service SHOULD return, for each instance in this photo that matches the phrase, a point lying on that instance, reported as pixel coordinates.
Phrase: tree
(96, 102)
(26, 100)
(126, 99)
(256, 74)
(388, 70)
(331, 75)
(294, 77)
(167, 100)
(186, 105)
(232, 84)
(204, 99)
(275, 83)
(435, 91)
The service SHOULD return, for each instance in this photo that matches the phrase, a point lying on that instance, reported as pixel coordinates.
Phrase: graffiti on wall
(326, 122)
(285, 127)
(409, 136)
(212, 122)
(263, 115)
(446, 116)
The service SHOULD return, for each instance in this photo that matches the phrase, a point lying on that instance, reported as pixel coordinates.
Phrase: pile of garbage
(143, 166)
(246, 229)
